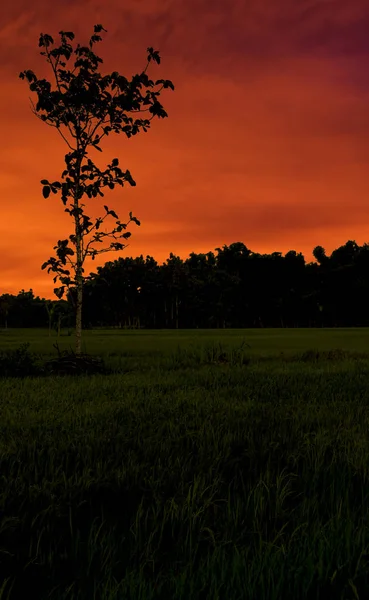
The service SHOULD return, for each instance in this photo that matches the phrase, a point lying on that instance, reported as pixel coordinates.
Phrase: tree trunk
(176, 311)
(79, 278)
(79, 255)
(79, 317)
(49, 314)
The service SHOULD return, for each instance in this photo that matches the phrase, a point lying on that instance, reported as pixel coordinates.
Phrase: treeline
(233, 288)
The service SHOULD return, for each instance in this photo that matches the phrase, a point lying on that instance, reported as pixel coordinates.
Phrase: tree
(174, 275)
(57, 312)
(50, 306)
(320, 255)
(89, 106)
(6, 302)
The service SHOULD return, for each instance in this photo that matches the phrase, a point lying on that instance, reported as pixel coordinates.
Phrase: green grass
(204, 469)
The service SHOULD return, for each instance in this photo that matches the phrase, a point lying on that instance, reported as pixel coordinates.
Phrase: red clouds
(266, 140)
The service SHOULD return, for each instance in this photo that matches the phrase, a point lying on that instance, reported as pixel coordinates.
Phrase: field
(214, 465)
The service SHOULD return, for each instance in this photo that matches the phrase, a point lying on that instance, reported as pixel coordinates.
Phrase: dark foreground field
(222, 465)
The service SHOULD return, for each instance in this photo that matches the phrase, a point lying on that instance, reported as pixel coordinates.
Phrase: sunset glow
(266, 140)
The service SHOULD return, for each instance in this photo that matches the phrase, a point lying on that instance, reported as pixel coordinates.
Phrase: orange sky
(266, 140)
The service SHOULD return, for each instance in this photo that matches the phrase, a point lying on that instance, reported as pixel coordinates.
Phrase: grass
(203, 468)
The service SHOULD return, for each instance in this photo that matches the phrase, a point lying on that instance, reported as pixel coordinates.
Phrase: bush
(18, 363)
(68, 363)
(21, 363)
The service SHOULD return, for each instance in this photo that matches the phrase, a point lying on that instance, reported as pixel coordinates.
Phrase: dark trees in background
(6, 302)
(59, 313)
(233, 288)
(89, 106)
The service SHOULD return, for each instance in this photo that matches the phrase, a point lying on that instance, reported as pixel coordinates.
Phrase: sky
(266, 141)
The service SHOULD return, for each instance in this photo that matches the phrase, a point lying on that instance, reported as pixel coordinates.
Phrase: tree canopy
(233, 287)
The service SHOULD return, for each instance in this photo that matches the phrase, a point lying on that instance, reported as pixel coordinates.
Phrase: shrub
(18, 363)
(68, 363)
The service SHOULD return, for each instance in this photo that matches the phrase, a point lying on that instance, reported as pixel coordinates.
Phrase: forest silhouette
(232, 288)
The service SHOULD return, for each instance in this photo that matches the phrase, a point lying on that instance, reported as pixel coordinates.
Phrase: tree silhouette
(6, 302)
(320, 255)
(89, 106)
(235, 288)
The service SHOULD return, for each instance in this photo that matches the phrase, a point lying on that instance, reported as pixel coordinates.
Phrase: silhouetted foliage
(90, 106)
(233, 288)
(69, 363)
(19, 363)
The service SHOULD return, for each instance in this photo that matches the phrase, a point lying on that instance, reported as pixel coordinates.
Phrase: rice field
(212, 465)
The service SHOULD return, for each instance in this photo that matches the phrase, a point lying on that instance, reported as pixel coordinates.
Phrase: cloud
(266, 140)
